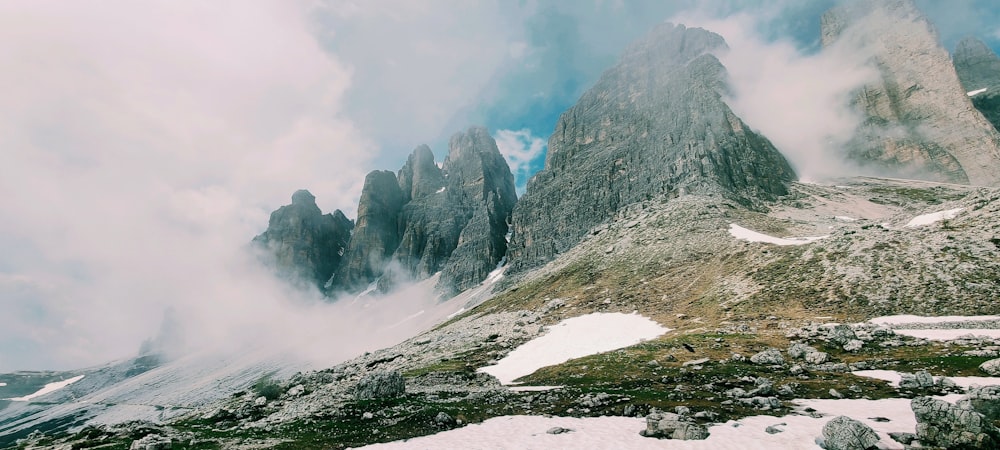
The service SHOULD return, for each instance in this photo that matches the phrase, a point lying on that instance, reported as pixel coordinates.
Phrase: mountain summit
(655, 125)
(918, 120)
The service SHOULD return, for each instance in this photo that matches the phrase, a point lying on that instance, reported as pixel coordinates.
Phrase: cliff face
(918, 121)
(978, 69)
(302, 243)
(655, 125)
(425, 219)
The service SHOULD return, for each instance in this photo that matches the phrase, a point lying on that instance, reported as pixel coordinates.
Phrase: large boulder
(984, 400)
(845, 433)
(991, 367)
(945, 425)
(380, 385)
(665, 425)
(769, 357)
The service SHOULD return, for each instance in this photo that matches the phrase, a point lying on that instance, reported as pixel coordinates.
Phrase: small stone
(773, 429)
(835, 394)
(770, 357)
(558, 430)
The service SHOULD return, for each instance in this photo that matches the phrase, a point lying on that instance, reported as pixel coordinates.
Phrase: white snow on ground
(949, 334)
(976, 92)
(441, 190)
(533, 388)
(927, 219)
(891, 320)
(845, 219)
(575, 338)
(799, 431)
(3, 384)
(47, 389)
(893, 378)
(739, 232)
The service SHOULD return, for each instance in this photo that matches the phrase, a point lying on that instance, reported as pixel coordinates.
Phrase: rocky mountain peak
(918, 120)
(654, 126)
(303, 244)
(420, 176)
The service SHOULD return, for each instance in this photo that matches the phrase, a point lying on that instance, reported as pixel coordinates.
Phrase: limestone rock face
(302, 243)
(918, 120)
(655, 125)
(945, 425)
(427, 219)
(978, 69)
(376, 234)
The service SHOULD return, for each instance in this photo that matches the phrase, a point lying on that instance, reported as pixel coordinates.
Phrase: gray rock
(774, 429)
(991, 367)
(302, 244)
(443, 418)
(919, 380)
(845, 433)
(673, 426)
(151, 442)
(558, 430)
(902, 438)
(853, 345)
(655, 125)
(376, 233)
(799, 350)
(984, 400)
(842, 334)
(918, 121)
(816, 357)
(380, 385)
(943, 424)
(770, 357)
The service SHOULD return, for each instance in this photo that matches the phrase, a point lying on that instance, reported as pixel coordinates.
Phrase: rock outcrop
(845, 433)
(942, 424)
(918, 120)
(427, 219)
(303, 244)
(978, 69)
(653, 126)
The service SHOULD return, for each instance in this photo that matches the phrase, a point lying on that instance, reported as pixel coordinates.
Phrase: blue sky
(143, 145)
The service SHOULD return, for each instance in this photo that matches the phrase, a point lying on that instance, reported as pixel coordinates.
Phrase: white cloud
(801, 102)
(522, 151)
(141, 146)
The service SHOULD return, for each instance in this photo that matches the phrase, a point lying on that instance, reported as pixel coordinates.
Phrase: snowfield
(942, 334)
(741, 233)
(976, 92)
(574, 338)
(893, 320)
(798, 431)
(928, 219)
(893, 378)
(47, 389)
(949, 334)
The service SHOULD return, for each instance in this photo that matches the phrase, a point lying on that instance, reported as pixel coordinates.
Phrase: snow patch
(441, 190)
(893, 378)
(904, 318)
(949, 334)
(845, 219)
(741, 233)
(976, 92)
(47, 389)
(574, 338)
(3, 384)
(927, 219)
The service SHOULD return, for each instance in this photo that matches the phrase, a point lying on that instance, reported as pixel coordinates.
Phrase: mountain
(303, 244)
(918, 120)
(655, 125)
(978, 69)
(412, 224)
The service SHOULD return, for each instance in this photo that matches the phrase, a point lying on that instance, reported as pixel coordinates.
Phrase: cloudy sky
(143, 143)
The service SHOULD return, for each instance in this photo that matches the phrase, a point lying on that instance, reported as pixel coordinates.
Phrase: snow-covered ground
(574, 338)
(928, 219)
(739, 232)
(47, 389)
(976, 92)
(3, 384)
(797, 431)
(893, 378)
(939, 334)
(893, 320)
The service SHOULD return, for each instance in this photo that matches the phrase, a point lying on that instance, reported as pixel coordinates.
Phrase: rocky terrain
(769, 296)
(919, 122)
